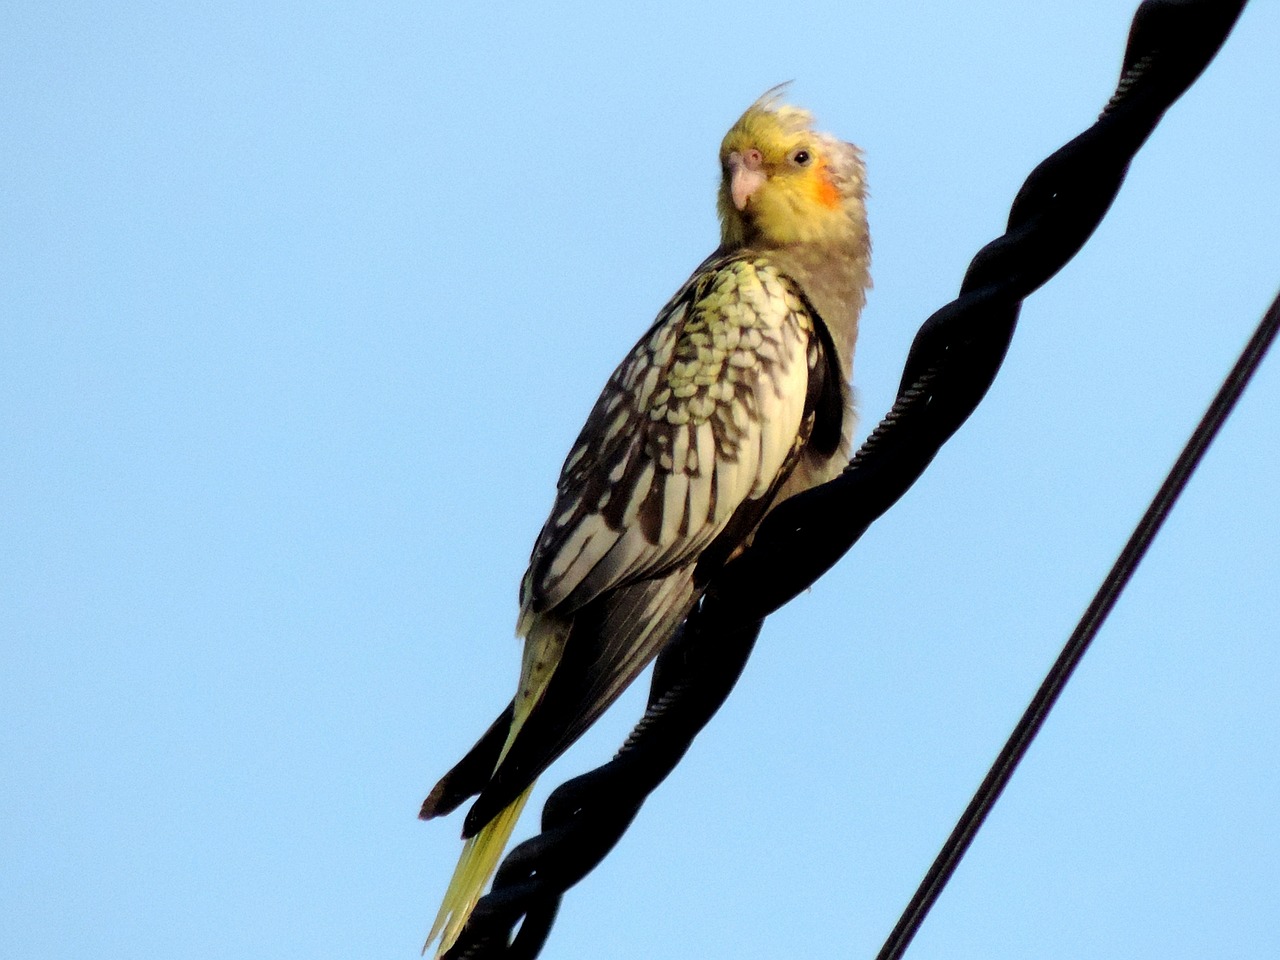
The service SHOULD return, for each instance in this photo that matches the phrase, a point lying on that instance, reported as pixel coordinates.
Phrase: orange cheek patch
(824, 190)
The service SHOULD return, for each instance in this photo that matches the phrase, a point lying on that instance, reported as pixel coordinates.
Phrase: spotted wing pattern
(707, 412)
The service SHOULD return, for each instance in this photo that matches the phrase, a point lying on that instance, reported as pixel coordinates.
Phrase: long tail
(479, 859)
(544, 643)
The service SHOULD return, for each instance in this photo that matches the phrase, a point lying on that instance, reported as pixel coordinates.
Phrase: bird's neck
(834, 278)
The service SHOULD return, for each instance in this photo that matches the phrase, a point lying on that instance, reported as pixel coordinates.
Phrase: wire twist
(952, 363)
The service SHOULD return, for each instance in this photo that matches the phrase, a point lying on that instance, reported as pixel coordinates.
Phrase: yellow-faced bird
(737, 397)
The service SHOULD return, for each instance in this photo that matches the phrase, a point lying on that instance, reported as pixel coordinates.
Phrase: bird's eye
(801, 158)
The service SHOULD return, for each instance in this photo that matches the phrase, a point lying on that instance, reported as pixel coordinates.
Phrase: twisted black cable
(952, 363)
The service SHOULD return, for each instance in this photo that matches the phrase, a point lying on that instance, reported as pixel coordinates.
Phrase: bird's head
(785, 183)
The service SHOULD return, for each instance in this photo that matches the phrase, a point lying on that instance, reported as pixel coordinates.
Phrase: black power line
(952, 363)
(1095, 615)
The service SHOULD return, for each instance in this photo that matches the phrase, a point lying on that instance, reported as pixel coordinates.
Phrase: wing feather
(703, 415)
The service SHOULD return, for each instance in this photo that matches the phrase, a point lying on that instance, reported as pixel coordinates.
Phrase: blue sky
(302, 308)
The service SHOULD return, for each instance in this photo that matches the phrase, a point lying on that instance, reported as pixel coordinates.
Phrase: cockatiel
(737, 397)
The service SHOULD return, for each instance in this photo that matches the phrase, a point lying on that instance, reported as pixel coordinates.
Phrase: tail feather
(482, 851)
(476, 865)
(470, 774)
(612, 640)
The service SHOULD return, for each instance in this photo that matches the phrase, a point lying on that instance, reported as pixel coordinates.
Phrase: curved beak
(746, 176)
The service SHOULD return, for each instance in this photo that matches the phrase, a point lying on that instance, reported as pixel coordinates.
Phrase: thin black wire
(951, 365)
(1095, 615)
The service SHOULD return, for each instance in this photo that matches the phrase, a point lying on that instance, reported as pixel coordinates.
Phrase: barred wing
(707, 413)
